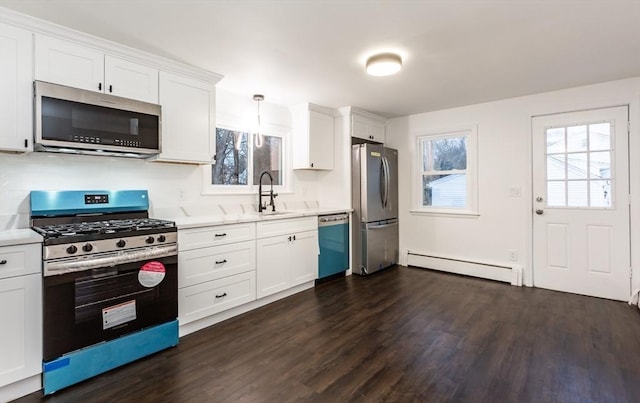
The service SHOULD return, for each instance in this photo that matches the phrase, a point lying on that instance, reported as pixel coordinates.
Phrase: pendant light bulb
(258, 98)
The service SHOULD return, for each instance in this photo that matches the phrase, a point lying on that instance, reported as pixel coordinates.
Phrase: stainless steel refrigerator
(375, 203)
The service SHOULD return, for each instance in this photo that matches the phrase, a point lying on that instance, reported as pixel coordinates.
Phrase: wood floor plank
(400, 335)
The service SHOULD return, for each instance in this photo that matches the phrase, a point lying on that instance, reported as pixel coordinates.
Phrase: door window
(579, 166)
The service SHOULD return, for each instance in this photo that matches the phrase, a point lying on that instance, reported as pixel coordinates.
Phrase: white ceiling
(456, 52)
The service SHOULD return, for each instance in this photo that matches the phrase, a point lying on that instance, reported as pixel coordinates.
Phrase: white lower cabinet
(211, 297)
(20, 315)
(223, 267)
(216, 269)
(287, 253)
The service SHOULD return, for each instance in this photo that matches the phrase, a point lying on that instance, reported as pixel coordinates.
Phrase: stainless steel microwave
(77, 121)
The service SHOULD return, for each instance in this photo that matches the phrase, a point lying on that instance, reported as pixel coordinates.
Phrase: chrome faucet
(262, 207)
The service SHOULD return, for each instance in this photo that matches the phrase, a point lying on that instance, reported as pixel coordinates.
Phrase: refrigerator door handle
(383, 182)
(385, 163)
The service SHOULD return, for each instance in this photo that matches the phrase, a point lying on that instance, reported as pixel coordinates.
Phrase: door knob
(539, 212)
(538, 199)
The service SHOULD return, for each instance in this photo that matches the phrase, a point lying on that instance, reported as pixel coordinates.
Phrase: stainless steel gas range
(110, 276)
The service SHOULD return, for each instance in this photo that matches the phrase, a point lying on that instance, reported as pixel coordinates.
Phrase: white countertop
(18, 237)
(185, 222)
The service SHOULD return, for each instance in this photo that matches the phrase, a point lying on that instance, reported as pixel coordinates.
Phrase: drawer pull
(221, 261)
(221, 235)
(3, 261)
(224, 294)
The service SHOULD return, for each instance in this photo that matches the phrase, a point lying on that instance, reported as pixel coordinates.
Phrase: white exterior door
(581, 203)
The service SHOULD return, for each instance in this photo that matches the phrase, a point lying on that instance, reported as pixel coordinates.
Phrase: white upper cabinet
(65, 63)
(313, 137)
(188, 120)
(130, 80)
(367, 126)
(16, 89)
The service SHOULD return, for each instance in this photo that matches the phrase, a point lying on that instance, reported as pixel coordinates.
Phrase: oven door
(87, 307)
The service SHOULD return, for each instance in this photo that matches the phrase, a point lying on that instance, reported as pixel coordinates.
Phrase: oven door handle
(110, 259)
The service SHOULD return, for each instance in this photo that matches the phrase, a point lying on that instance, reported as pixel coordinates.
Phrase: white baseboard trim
(504, 272)
(21, 388)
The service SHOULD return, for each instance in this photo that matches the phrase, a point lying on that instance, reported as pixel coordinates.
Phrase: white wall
(504, 162)
(169, 185)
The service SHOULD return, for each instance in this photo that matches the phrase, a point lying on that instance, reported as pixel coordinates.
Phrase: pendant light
(258, 98)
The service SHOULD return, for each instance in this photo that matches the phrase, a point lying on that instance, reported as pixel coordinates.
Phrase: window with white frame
(446, 180)
(240, 159)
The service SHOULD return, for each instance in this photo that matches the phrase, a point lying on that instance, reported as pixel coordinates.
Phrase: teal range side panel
(334, 249)
(94, 360)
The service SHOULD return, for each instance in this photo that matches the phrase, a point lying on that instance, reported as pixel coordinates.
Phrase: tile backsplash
(169, 185)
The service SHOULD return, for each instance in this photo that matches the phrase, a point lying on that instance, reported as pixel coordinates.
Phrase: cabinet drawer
(195, 238)
(206, 264)
(202, 300)
(284, 227)
(19, 260)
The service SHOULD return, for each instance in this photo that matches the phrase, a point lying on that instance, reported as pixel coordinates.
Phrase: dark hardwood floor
(402, 335)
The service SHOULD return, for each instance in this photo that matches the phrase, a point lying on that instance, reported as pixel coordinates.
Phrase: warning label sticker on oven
(118, 314)
(151, 274)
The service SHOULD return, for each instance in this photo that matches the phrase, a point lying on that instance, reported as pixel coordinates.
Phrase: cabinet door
(367, 128)
(130, 80)
(16, 89)
(377, 131)
(188, 120)
(320, 141)
(303, 257)
(66, 63)
(206, 264)
(21, 318)
(206, 299)
(272, 268)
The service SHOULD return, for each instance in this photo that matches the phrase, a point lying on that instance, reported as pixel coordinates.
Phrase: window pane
(556, 194)
(577, 194)
(556, 167)
(268, 157)
(555, 140)
(231, 158)
(444, 190)
(576, 138)
(600, 136)
(445, 154)
(600, 193)
(577, 166)
(600, 165)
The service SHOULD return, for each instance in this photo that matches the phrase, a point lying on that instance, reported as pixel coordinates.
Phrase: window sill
(445, 213)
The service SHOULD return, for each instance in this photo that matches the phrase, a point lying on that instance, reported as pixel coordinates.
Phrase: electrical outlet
(514, 191)
(513, 255)
(181, 195)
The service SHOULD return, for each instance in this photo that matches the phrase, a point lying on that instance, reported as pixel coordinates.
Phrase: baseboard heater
(507, 273)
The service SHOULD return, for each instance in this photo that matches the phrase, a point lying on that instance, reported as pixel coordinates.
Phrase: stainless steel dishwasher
(333, 236)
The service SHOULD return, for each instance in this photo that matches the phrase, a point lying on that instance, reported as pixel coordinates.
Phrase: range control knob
(121, 243)
(150, 240)
(162, 238)
(87, 247)
(72, 249)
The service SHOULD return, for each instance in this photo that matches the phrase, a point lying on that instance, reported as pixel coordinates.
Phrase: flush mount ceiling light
(383, 64)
